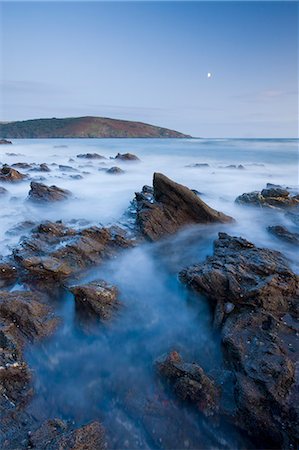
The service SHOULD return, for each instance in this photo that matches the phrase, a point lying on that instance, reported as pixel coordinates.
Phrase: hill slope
(84, 127)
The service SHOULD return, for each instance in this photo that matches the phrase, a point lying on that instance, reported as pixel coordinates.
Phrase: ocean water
(107, 372)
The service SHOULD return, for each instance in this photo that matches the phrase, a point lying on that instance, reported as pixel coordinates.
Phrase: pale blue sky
(149, 61)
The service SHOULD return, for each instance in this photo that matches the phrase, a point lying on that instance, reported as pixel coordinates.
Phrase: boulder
(41, 168)
(115, 170)
(284, 234)
(8, 174)
(127, 157)
(67, 168)
(90, 156)
(272, 197)
(44, 194)
(189, 382)
(5, 142)
(21, 165)
(254, 294)
(171, 207)
(97, 298)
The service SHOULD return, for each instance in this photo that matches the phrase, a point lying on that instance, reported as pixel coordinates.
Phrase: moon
(209, 75)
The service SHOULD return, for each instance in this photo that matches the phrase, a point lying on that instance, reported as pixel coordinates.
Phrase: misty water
(106, 372)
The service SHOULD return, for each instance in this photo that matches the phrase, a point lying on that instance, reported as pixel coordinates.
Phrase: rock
(284, 234)
(8, 274)
(5, 142)
(189, 382)
(67, 168)
(41, 168)
(11, 175)
(57, 434)
(91, 156)
(115, 170)
(41, 193)
(198, 165)
(293, 217)
(53, 252)
(21, 227)
(171, 207)
(127, 157)
(272, 197)
(97, 298)
(76, 177)
(21, 165)
(253, 291)
(234, 166)
(3, 191)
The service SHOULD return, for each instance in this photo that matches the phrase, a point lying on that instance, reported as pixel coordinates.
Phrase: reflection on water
(107, 371)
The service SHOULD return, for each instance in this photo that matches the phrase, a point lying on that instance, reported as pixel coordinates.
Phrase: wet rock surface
(169, 206)
(126, 157)
(284, 234)
(274, 196)
(96, 299)
(8, 174)
(254, 294)
(41, 193)
(8, 274)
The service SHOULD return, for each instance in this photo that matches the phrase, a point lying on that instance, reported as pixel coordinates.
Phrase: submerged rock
(90, 156)
(57, 434)
(97, 298)
(127, 157)
(171, 207)
(115, 170)
(67, 168)
(5, 142)
(272, 197)
(3, 191)
(8, 174)
(198, 165)
(189, 382)
(284, 234)
(21, 165)
(252, 291)
(41, 193)
(41, 168)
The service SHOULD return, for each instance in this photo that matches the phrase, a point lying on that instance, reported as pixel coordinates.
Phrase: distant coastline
(84, 127)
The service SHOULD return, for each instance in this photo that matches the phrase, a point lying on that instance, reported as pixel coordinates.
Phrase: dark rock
(97, 298)
(41, 168)
(271, 197)
(189, 382)
(5, 142)
(67, 168)
(252, 291)
(115, 170)
(234, 166)
(11, 175)
(284, 234)
(41, 193)
(57, 434)
(171, 207)
(127, 157)
(8, 274)
(91, 156)
(21, 165)
(198, 165)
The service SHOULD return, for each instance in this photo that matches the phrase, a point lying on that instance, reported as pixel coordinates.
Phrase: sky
(148, 61)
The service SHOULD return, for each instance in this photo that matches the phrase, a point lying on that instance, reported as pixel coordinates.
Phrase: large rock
(44, 194)
(53, 253)
(126, 157)
(284, 234)
(8, 174)
(97, 298)
(273, 196)
(255, 296)
(170, 207)
(90, 156)
(189, 382)
(57, 434)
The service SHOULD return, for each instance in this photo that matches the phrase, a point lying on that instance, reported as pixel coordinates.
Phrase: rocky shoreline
(253, 293)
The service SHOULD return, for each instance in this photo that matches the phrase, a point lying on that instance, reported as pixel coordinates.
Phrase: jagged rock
(284, 234)
(41, 193)
(255, 297)
(90, 156)
(115, 170)
(127, 157)
(272, 197)
(57, 434)
(97, 298)
(11, 175)
(189, 382)
(5, 142)
(171, 207)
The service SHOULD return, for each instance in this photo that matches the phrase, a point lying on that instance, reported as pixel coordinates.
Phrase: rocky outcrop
(115, 171)
(97, 298)
(284, 234)
(189, 382)
(171, 206)
(127, 157)
(255, 298)
(90, 156)
(273, 196)
(57, 434)
(8, 174)
(54, 253)
(41, 193)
